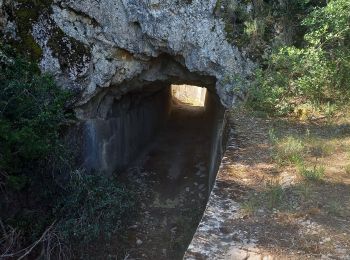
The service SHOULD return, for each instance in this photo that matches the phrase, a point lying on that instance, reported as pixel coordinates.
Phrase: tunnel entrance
(173, 176)
(165, 141)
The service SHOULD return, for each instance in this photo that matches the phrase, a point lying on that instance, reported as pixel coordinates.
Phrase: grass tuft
(274, 195)
(320, 148)
(304, 190)
(335, 208)
(289, 150)
(250, 206)
(315, 174)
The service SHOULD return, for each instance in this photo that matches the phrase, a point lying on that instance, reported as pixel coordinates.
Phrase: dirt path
(172, 179)
(294, 213)
(282, 192)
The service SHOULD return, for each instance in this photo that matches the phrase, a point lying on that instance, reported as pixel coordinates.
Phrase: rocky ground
(171, 182)
(283, 192)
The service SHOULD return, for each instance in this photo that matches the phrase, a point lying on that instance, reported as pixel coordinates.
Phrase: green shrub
(315, 174)
(35, 166)
(32, 109)
(315, 71)
(94, 207)
(32, 112)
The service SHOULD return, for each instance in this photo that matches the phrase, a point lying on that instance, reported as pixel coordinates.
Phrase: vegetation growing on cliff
(47, 207)
(312, 74)
(303, 50)
(256, 26)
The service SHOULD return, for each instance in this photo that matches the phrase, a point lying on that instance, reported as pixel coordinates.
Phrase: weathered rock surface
(3, 17)
(91, 45)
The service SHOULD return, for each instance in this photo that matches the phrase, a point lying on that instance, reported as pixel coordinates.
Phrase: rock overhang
(125, 42)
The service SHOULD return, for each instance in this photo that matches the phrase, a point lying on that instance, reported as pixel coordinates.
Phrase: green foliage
(251, 205)
(314, 174)
(32, 108)
(288, 150)
(36, 184)
(317, 72)
(93, 207)
(256, 25)
(274, 195)
(16, 182)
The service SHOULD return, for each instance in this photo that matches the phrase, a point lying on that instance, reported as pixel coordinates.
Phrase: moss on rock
(24, 16)
(25, 13)
(69, 52)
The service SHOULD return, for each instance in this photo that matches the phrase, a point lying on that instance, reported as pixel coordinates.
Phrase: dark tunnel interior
(167, 140)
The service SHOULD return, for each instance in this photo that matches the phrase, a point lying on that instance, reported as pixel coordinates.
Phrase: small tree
(32, 107)
(318, 72)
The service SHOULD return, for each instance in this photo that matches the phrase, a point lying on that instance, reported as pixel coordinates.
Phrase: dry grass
(297, 180)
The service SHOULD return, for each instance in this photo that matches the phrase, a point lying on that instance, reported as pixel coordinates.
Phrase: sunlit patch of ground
(296, 178)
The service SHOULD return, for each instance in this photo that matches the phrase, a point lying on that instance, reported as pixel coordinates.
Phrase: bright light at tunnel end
(189, 95)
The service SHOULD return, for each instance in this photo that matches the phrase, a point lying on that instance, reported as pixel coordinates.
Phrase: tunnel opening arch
(121, 120)
(120, 125)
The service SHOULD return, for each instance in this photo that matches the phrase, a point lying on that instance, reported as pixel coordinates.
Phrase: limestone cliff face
(95, 45)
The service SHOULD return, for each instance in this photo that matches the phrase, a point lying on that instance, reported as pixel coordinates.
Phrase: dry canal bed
(171, 180)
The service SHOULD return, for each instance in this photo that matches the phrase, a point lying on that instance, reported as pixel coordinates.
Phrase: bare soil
(282, 213)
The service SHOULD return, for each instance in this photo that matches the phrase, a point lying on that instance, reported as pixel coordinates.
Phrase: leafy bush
(70, 209)
(257, 25)
(32, 108)
(94, 207)
(316, 72)
(32, 111)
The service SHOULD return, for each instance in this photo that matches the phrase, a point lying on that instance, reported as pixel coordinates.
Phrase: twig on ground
(21, 254)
